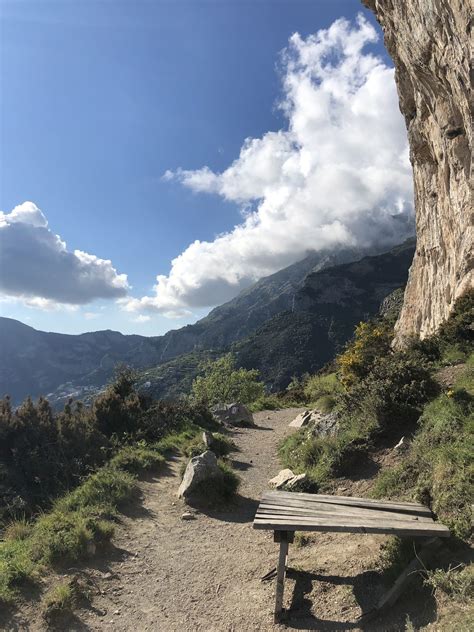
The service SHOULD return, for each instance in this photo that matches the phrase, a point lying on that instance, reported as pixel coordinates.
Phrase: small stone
(117, 612)
(188, 516)
(207, 439)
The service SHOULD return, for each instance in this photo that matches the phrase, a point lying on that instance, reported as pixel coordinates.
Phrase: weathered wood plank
(349, 520)
(355, 525)
(325, 510)
(308, 504)
(400, 507)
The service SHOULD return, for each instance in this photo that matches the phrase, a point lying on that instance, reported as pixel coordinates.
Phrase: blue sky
(100, 99)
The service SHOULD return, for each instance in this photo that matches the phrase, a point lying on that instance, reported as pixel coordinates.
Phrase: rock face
(233, 414)
(429, 43)
(200, 468)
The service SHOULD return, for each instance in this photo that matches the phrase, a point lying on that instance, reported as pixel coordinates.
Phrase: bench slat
(320, 509)
(354, 525)
(412, 508)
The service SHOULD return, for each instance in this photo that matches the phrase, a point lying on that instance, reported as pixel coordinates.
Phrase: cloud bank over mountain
(337, 175)
(37, 268)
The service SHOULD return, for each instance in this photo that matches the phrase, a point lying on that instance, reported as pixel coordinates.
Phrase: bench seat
(287, 512)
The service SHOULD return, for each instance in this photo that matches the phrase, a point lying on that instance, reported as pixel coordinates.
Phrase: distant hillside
(38, 363)
(327, 307)
(286, 317)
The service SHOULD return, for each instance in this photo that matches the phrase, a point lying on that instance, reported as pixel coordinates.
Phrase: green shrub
(266, 402)
(371, 342)
(453, 354)
(16, 566)
(319, 386)
(222, 382)
(221, 445)
(437, 470)
(137, 458)
(325, 404)
(61, 599)
(106, 488)
(457, 582)
(17, 530)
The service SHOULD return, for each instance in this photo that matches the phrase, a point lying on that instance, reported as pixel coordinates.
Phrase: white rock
(281, 478)
(200, 468)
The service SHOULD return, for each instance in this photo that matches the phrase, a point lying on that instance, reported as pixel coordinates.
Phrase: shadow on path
(367, 587)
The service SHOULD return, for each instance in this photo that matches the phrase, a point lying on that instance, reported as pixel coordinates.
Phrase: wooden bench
(287, 512)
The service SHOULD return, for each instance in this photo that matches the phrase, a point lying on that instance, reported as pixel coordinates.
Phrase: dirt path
(166, 574)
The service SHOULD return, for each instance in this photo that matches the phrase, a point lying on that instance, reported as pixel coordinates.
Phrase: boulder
(324, 425)
(296, 483)
(320, 424)
(288, 480)
(200, 468)
(281, 479)
(233, 414)
(302, 419)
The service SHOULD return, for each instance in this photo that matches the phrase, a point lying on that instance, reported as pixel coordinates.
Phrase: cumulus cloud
(37, 268)
(338, 174)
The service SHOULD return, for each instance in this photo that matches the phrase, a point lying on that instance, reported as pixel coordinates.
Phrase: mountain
(240, 316)
(309, 307)
(36, 362)
(327, 307)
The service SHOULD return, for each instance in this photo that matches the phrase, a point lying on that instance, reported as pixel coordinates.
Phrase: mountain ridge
(84, 362)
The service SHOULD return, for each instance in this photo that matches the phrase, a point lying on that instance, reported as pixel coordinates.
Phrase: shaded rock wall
(428, 41)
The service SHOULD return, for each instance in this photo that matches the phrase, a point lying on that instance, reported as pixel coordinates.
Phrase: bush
(137, 458)
(222, 382)
(221, 445)
(266, 402)
(62, 600)
(16, 566)
(17, 530)
(371, 342)
(319, 386)
(107, 488)
(437, 469)
(325, 404)
(455, 582)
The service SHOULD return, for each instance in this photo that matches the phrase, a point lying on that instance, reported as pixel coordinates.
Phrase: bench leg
(281, 570)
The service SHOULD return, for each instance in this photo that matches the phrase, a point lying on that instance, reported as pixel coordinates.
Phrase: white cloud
(142, 318)
(91, 315)
(37, 269)
(338, 174)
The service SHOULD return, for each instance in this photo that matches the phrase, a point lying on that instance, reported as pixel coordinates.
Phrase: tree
(223, 383)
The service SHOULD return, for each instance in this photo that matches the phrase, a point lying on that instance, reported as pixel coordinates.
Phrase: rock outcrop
(201, 468)
(233, 414)
(428, 41)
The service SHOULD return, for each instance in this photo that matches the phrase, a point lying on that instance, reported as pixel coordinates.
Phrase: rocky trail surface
(165, 574)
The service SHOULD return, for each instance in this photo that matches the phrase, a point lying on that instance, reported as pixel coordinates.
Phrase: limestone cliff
(429, 43)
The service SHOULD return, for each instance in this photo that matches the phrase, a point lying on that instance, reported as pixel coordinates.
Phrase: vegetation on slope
(94, 453)
(222, 382)
(380, 395)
